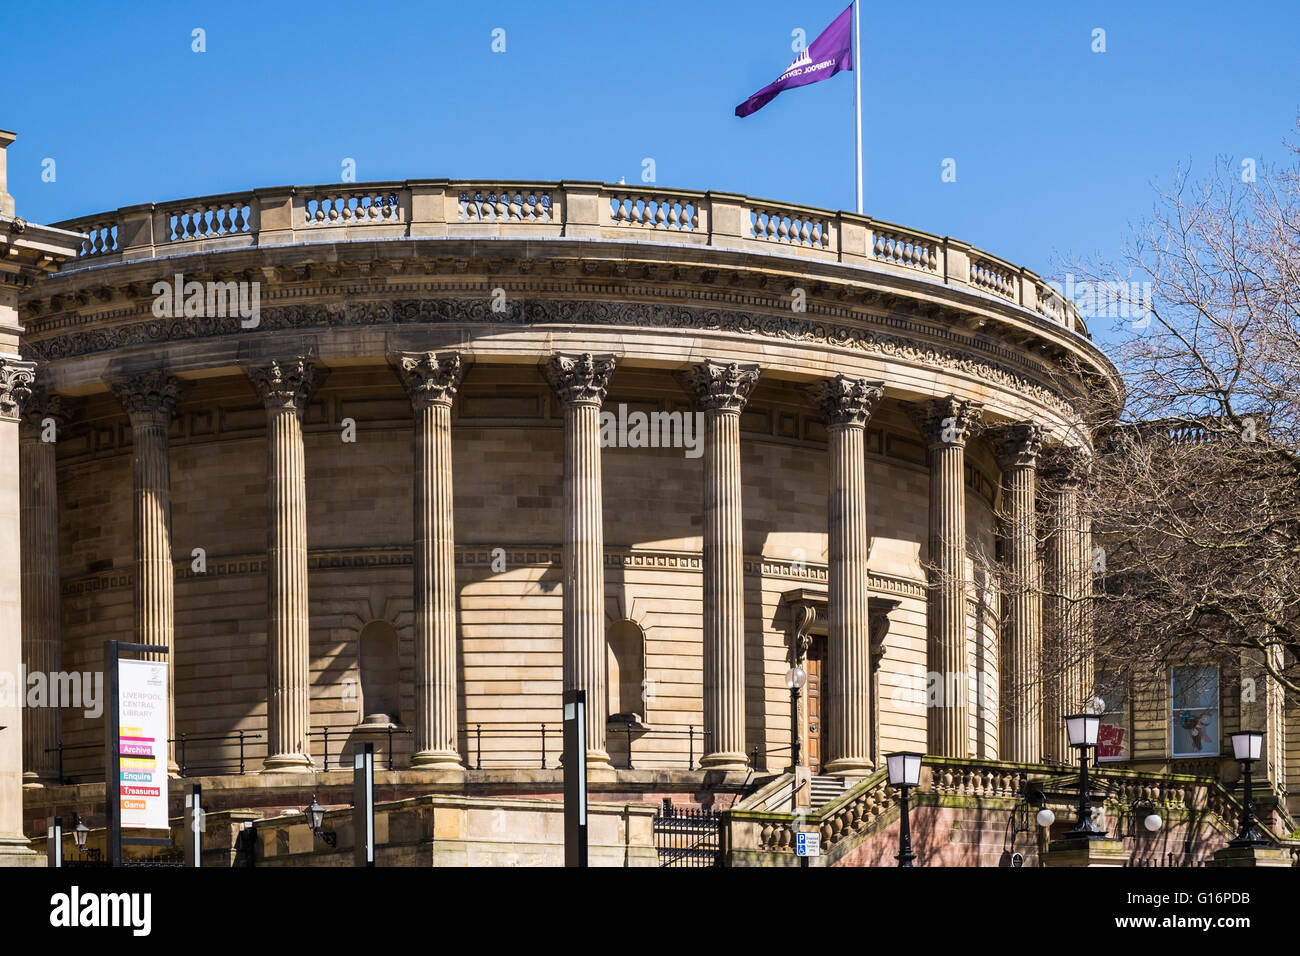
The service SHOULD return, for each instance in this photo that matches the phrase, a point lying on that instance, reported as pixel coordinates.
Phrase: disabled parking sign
(808, 844)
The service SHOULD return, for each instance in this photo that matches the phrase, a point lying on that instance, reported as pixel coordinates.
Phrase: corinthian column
(946, 424)
(151, 401)
(722, 391)
(580, 382)
(1021, 740)
(847, 404)
(1067, 655)
(432, 380)
(284, 388)
(44, 416)
(16, 378)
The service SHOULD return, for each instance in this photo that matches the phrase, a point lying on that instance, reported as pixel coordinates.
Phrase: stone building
(400, 462)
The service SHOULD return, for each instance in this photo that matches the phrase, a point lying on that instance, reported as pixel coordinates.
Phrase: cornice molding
(973, 356)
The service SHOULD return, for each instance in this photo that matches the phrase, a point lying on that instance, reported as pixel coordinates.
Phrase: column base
(15, 850)
(725, 761)
(34, 778)
(848, 767)
(288, 763)
(437, 760)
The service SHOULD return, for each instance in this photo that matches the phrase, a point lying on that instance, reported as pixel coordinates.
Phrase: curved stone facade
(414, 426)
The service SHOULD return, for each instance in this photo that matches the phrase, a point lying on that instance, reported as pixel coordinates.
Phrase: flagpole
(857, 100)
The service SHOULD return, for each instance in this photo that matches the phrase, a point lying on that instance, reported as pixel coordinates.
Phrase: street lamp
(316, 820)
(1082, 731)
(795, 678)
(79, 833)
(1247, 745)
(904, 773)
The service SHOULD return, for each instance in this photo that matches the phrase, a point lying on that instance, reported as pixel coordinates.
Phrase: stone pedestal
(285, 388)
(580, 383)
(847, 405)
(1237, 856)
(151, 401)
(1069, 852)
(432, 380)
(722, 391)
(946, 424)
(1021, 724)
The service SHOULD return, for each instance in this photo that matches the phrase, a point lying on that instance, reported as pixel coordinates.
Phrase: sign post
(575, 778)
(363, 806)
(194, 827)
(137, 736)
(54, 843)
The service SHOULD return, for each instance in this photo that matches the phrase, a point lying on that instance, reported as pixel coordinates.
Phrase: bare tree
(1194, 496)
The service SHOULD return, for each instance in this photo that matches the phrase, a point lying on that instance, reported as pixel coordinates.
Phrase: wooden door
(816, 667)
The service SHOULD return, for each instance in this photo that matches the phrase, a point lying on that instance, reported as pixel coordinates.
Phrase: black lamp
(795, 678)
(1247, 746)
(1082, 730)
(904, 773)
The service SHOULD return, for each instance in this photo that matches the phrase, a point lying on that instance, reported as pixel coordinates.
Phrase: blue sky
(1055, 146)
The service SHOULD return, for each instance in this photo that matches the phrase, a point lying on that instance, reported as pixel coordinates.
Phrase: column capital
(1018, 445)
(1065, 466)
(16, 381)
(40, 405)
(152, 395)
(579, 379)
(945, 421)
(286, 383)
(847, 401)
(430, 378)
(722, 386)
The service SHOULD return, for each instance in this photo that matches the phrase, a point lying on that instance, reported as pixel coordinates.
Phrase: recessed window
(626, 643)
(1194, 711)
(1113, 734)
(380, 673)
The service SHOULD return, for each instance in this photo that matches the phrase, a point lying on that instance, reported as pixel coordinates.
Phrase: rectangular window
(1113, 734)
(1194, 711)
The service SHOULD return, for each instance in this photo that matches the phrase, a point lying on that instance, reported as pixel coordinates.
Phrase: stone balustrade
(443, 208)
(863, 805)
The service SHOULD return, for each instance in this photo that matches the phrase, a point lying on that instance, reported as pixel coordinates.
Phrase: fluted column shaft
(847, 405)
(41, 603)
(722, 391)
(1066, 615)
(432, 380)
(946, 424)
(151, 401)
(1022, 646)
(285, 388)
(580, 382)
(16, 380)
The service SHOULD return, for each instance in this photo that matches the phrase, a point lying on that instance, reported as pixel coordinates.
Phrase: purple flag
(824, 57)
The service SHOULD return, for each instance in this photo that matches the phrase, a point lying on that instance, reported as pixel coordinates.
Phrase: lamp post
(904, 773)
(1082, 731)
(795, 678)
(1247, 745)
(316, 820)
(79, 833)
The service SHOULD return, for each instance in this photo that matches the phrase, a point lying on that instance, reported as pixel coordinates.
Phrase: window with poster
(1113, 733)
(1194, 711)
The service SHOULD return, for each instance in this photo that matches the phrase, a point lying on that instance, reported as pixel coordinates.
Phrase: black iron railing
(688, 837)
(548, 739)
(325, 733)
(234, 763)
